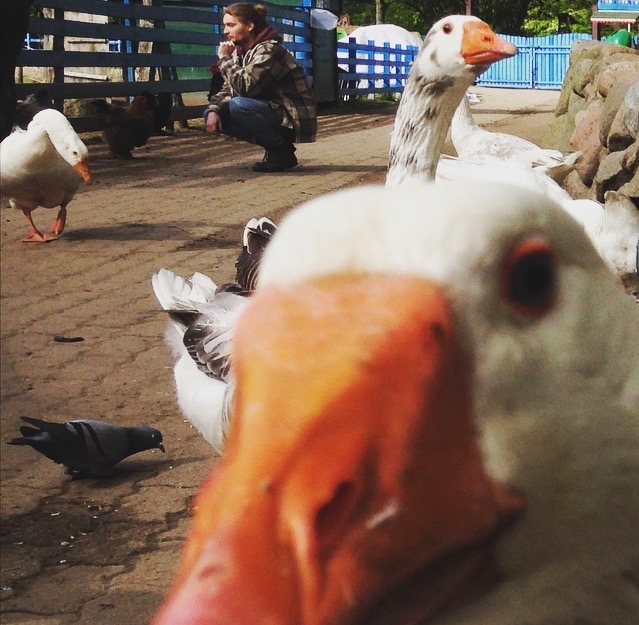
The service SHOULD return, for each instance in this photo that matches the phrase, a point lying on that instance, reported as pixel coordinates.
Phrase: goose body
(441, 425)
(202, 322)
(201, 325)
(43, 166)
(471, 141)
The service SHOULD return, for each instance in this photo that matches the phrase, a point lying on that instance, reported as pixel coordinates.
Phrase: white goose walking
(43, 166)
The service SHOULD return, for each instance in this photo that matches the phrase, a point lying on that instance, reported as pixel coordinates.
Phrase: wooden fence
(117, 49)
(364, 69)
(161, 42)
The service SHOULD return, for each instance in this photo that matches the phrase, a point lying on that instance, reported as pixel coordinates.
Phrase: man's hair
(246, 13)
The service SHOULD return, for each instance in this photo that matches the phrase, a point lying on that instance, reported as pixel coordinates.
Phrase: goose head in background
(441, 424)
(43, 166)
(456, 50)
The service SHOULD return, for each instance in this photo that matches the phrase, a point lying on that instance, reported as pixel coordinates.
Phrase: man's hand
(213, 123)
(226, 48)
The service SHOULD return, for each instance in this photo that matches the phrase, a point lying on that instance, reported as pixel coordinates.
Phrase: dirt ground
(103, 552)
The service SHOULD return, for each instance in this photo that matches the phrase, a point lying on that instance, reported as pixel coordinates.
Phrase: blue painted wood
(367, 68)
(619, 5)
(542, 63)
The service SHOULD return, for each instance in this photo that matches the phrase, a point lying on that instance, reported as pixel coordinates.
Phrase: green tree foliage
(514, 17)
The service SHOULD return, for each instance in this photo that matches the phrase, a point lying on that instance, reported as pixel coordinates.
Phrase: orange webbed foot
(38, 237)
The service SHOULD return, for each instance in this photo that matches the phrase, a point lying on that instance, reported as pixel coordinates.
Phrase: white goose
(43, 166)
(471, 141)
(202, 321)
(441, 425)
(455, 51)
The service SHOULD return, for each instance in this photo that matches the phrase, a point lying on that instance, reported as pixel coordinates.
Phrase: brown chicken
(125, 127)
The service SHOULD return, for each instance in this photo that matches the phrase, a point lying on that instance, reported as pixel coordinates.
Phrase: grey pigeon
(87, 447)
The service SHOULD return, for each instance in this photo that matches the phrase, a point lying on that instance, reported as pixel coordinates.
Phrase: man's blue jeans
(251, 120)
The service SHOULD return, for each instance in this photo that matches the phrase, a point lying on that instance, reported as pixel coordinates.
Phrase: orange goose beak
(352, 466)
(481, 45)
(83, 169)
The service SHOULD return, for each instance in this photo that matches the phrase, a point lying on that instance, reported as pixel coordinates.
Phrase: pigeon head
(142, 437)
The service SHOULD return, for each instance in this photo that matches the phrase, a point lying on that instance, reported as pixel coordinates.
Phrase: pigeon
(86, 447)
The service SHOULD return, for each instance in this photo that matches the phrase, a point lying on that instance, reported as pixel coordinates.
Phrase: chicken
(32, 104)
(161, 105)
(125, 127)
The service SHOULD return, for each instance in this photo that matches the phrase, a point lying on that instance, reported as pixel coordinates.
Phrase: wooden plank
(88, 90)
(48, 58)
(167, 12)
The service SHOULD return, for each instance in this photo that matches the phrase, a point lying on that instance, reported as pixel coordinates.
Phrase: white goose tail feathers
(557, 168)
(200, 334)
(180, 297)
(257, 235)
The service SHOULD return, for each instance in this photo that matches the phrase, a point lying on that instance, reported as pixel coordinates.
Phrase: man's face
(235, 31)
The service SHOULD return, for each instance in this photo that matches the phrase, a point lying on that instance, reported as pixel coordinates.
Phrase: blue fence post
(371, 67)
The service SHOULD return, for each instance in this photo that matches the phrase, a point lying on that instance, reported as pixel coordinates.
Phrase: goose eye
(447, 28)
(528, 280)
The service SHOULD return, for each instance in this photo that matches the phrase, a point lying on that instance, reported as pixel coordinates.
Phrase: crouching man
(266, 97)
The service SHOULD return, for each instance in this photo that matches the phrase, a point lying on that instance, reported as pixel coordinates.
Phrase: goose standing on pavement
(441, 425)
(43, 166)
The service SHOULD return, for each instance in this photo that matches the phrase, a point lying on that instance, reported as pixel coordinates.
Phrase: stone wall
(598, 113)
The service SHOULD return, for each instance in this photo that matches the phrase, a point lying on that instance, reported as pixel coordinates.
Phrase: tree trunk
(379, 11)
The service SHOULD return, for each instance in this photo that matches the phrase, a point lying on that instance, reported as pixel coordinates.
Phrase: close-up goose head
(435, 422)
